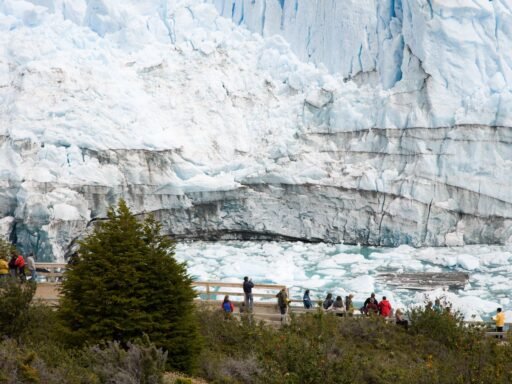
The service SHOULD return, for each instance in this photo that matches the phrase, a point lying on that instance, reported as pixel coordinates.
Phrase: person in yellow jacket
(500, 321)
(4, 269)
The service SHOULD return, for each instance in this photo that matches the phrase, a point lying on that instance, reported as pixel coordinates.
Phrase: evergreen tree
(6, 249)
(126, 283)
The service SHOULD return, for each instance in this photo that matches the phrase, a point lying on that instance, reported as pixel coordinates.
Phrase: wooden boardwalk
(211, 294)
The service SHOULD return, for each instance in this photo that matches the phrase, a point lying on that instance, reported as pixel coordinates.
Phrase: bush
(446, 328)
(126, 283)
(137, 364)
(15, 300)
(6, 249)
(321, 348)
(108, 364)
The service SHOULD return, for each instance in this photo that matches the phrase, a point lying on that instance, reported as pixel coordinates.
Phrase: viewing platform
(211, 293)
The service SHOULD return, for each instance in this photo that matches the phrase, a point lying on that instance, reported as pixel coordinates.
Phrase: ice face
(343, 269)
(432, 50)
(223, 133)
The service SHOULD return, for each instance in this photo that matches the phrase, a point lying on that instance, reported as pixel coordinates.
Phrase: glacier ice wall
(222, 133)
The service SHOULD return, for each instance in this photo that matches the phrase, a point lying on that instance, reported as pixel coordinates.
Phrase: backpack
(226, 306)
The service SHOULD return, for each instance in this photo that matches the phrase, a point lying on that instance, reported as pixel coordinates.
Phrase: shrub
(181, 380)
(6, 249)
(137, 364)
(446, 328)
(126, 283)
(15, 300)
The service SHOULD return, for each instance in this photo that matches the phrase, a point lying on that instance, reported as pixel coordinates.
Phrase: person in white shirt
(31, 264)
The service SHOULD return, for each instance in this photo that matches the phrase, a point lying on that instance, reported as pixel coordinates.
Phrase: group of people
(15, 267)
(371, 306)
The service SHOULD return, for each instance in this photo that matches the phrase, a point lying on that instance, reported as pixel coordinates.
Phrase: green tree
(127, 283)
(6, 249)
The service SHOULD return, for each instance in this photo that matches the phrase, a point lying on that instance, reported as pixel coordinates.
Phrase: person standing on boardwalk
(400, 320)
(282, 303)
(500, 321)
(12, 265)
(248, 286)
(31, 264)
(349, 306)
(338, 306)
(328, 302)
(227, 307)
(370, 306)
(307, 300)
(437, 307)
(20, 265)
(4, 269)
(385, 307)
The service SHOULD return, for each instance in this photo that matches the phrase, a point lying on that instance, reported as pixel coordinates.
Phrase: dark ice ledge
(425, 280)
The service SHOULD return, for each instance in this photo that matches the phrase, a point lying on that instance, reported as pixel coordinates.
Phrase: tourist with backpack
(227, 307)
(370, 306)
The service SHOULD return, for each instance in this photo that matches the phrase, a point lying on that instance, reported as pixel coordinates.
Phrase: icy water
(343, 269)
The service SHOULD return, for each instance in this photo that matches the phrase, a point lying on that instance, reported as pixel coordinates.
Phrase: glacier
(376, 122)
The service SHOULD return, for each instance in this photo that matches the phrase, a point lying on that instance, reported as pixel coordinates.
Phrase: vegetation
(322, 348)
(126, 284)
(15, 301)
(127, 316)
(6, 249)
(313, 348)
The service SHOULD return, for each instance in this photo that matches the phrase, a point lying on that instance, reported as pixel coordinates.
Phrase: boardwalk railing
(52, 272)
(214, 291)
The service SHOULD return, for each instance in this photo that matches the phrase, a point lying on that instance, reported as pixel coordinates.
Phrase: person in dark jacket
(308, 304)
(349, 305)
(370, 300)
(338, 306)
(282, 303)
(248, 286)
(13, 269)
(328, 302)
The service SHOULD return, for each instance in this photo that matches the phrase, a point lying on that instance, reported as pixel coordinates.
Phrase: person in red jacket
(385, 307)
(20, 264)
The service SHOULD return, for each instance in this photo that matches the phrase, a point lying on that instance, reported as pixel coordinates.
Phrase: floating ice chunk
(468, 262)
(495, 259)
(360, 284)
(332, 272)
